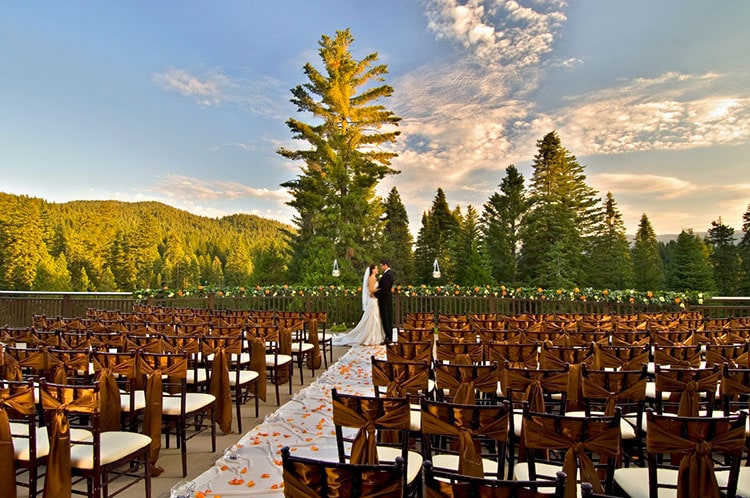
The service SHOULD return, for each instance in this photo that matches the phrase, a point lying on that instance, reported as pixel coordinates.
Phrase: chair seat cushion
(193, 401)
(302, 348)
(521, 473)
(634, 481)
(245, 377)
(281, 359)
(413, 465)
(450, 462)
(743, 483)
(196, 376)
(114, 446)
(21, 444)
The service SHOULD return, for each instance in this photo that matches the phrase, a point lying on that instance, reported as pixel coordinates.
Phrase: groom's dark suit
(385, 303)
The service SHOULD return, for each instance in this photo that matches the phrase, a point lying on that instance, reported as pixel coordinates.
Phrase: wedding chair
(382, 433)
(279, 362)
(30, 445)
(587, 491)
(501, 335)
(689, 392)
(736, 355)
(545, 389)
(447, 321)
(99, 457)
(400, 379)
(315, 330)
(305, 478)
(459, 352)
(197, 374)
(293, 324)
(556, 356)
(515, 354)
(621, 357)
(466, 384)
(409, 351)
(122, 368)
(466, 439)
(687, 456)
(415, 334)
(445, 484)
(582, 448)
(468, 335)
(170, 408)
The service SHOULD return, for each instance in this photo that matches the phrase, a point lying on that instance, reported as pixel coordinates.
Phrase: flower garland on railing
(665, 298)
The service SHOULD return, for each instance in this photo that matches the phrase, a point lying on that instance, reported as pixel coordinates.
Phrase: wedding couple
(376, 324)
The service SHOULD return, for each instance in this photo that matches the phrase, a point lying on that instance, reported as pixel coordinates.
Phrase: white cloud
(661, 187)
(185, 187)
(261, 95)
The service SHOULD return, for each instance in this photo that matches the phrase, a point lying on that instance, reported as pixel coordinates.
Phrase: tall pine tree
(397, 239)
(338, 213)
(471, 264)
(647, 262)
(436, 241)
(725, 259)
(688, 267)
(501, 222)
(564, 214)
(610, 265)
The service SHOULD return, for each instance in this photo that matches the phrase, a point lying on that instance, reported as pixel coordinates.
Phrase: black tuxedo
(385, 303)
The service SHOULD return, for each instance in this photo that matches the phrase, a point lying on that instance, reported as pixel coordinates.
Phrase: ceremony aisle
(253, 466)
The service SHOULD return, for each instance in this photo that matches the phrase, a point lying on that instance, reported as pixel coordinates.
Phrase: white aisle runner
(305, 424)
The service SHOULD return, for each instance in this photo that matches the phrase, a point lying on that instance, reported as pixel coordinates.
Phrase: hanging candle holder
(436, 269)
(336, 272)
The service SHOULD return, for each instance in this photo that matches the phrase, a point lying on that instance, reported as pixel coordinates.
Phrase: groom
(385, 299)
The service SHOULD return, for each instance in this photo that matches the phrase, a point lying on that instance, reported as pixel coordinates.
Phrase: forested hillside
(120, 246)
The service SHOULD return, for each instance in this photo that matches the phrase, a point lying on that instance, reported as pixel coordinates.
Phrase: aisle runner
(305, 424)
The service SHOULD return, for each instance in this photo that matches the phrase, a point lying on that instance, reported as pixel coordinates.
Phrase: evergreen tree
(436, 241)
(107, 282)
(744, 250)
(501, 222)
(239, 266)
(647, 260)
(725, 259)
(397, 239)
(688, 267)
(216, 275)
(563, 214)
(52, 274)
(334, 196)
(471, 265)
(271, 266)
(22, 244)
(610, 265)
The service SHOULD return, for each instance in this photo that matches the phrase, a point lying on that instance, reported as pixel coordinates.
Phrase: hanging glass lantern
(335, 271)
(436, 269)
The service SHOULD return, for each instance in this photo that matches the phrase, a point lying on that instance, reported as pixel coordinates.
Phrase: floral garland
(666, 298)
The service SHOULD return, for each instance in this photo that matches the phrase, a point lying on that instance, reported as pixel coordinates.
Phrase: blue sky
(185, 102)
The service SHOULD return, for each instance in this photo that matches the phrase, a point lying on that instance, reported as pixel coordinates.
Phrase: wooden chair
(583, 448)
(546, 390)
(416, 334)
(459, 352)
(515, 354)
(403, 379)
(444, 484)
(466, 439)
(293, 324)
(688, 392)
(99, 457)
(708, 449)
(30, 442)
(123, 367)
(325, 340)
(305, 477)
(165, 379)
(279, 362)
(409, 351)
(466, 384)
(390, 418)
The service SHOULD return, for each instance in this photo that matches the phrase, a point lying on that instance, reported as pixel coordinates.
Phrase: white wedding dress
(369, 330)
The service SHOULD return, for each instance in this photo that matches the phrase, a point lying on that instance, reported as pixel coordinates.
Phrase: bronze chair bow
(22, 402)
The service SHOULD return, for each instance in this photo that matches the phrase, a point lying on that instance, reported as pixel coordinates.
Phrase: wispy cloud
(661, 187)
(261, 95)
(178, 186)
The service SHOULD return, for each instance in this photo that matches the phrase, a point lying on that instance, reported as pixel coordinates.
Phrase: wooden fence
(18, 308)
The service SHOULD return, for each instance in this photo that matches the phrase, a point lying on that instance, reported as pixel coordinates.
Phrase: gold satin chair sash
(463, 386)
(109, 393)
(516, 354)
(152, 419)
(364, 447)
(410, 351)
(258, 364)
(664, 357)
(696, 470)
(607, 358)
(400, 379)
(219, 383)
(314, 359)
(21, 401)
(535, 386)
(470, 460)
(606, 444)
(591, 389)
(58, 482)
(552, 358)
(460, 353)
(690, 390)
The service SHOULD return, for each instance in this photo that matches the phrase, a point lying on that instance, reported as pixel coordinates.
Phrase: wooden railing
(18, 308)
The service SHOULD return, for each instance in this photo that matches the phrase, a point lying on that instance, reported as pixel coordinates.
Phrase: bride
(369, 330)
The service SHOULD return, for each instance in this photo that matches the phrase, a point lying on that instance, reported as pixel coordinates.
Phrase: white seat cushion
(114, 446)
(283, 359)
(193, 401)
(521, 472)
(415, 424)
(245, 377)
(413, 466)
(634, 481)
(21, 444)
(196, 376)
(627, 430)
(450, 462)
(304, 347)
(743, 483)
